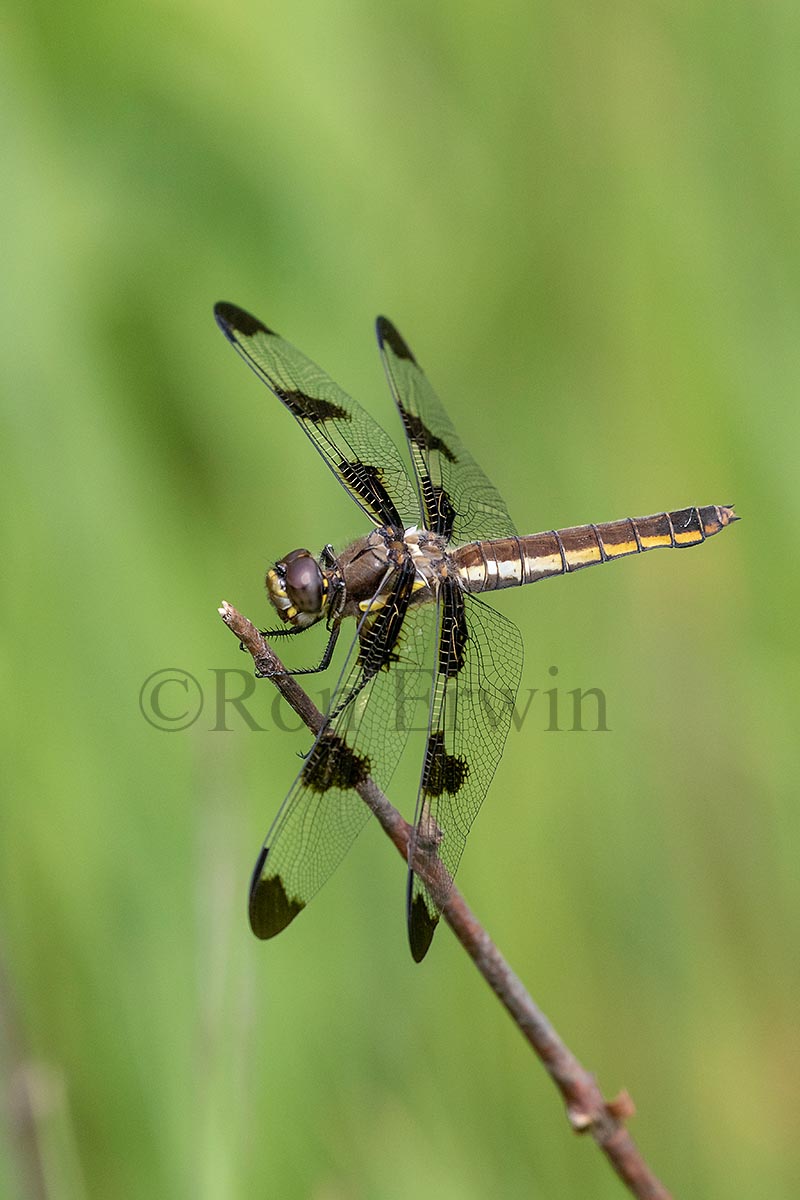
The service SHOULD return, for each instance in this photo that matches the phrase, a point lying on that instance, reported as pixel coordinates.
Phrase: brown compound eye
(303, 579)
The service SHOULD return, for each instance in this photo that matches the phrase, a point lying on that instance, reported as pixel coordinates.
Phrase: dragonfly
(439, 536)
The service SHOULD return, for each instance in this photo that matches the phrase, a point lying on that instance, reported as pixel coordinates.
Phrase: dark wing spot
(443, 772)
(270, 908)
(454, 635)
(312, 408)
(421, 436)
(421, 927)
(380, 634)
(440, 511)
(376, 650)
(332, 763)
(388, 335)
(367, 481)
(232, 319)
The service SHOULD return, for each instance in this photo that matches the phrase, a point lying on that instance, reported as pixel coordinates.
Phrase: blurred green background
(584, 219)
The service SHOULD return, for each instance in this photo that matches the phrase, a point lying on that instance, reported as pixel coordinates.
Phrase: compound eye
(303, 581)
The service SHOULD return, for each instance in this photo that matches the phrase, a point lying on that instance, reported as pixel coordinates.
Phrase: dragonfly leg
(271, 633)
(322, 665)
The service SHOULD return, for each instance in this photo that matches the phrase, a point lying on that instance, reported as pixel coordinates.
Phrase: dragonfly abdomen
(513, 561)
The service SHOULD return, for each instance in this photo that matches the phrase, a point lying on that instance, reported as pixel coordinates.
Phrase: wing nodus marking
(454, 636)
(271, 909)
(332, 764)
(421, 436)
(312, 408)
(443, 772)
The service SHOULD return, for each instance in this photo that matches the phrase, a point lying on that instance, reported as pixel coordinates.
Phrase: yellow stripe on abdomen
(512, 561)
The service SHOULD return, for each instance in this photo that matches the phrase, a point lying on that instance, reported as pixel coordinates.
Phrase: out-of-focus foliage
(584, 219)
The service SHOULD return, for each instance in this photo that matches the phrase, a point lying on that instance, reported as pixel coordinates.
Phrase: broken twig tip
(622, 1106)
(579, 1119)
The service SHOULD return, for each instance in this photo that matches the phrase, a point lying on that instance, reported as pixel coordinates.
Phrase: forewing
(358, 451)
(458, 500)
(478, 668)
(373, 709)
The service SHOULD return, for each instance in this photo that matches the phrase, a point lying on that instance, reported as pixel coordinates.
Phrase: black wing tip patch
(233, 320)
(421, 926)
(270, 908)
(388, 336)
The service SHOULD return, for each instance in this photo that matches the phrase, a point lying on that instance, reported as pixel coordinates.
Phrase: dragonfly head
(298, 587)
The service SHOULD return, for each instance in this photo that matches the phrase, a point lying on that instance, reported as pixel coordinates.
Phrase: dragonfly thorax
(298, 588)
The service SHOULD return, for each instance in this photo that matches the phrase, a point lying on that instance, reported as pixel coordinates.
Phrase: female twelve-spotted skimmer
(410, 586)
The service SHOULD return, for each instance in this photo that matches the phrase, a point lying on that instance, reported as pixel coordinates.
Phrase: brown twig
(28, 1096)
(587, 1111)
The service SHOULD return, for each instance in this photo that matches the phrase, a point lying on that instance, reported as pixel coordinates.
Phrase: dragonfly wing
(476, 677)
(360, 453)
